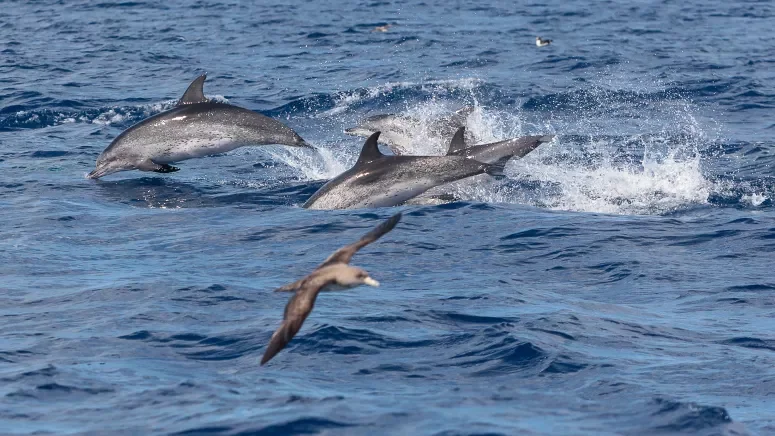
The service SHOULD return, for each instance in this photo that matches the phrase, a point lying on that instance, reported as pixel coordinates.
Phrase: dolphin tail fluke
(496, 168)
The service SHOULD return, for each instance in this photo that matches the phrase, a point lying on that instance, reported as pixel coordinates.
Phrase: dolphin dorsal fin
(458, 143)
(370, 150)
(195, 92)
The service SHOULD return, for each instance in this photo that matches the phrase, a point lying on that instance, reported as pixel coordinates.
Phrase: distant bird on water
(333, 274)
(382, 28)
(540, 42)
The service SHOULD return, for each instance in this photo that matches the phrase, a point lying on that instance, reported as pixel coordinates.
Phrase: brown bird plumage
(334, 273)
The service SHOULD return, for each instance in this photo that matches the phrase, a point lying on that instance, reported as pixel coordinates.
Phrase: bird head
(352, 277)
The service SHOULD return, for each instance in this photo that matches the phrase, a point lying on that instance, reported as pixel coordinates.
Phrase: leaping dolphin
(398, 130)
(196, 127)
(377, 180)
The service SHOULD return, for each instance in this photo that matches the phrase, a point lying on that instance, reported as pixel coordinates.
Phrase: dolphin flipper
(150, 165)
(495, 169)
(166, 168)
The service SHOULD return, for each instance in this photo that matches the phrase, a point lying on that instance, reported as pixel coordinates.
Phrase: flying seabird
(540, 42)
(333, 274)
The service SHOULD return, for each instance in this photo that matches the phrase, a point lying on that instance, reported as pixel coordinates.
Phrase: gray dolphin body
(196, 127)
(398, 130)
(377, 180)
(495, 151)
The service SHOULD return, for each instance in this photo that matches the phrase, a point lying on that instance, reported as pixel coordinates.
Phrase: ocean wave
(307, 425)
(487, 356)
(672, 417)
(120, 116)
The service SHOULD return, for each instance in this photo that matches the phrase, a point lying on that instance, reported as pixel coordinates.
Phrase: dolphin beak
(103, 170)
(357, 131)
(96, 174)
(371, 282)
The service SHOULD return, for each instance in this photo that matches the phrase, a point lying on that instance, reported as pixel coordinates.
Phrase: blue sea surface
(618, 282)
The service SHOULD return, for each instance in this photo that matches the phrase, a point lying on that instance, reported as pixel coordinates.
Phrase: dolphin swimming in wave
(196, 127)
(398, 133)
(378, 180)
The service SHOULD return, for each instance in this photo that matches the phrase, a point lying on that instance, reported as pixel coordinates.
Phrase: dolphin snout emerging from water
(196, 127)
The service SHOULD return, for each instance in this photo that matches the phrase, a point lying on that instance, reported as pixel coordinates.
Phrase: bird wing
(345, 254)
(291, 287)
(296, 311)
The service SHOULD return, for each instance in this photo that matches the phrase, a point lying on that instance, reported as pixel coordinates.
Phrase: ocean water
(618, 282)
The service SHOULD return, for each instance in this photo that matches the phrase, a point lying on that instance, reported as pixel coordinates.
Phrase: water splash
(348, 100)
(618, 174)
(654, 185)
(621, 148)
(323, 164)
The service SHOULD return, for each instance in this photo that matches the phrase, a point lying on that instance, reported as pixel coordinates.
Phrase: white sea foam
(108, 117)
(590, 172)
(755, 199)
(657, 184)
(115, 116)
(322, 164)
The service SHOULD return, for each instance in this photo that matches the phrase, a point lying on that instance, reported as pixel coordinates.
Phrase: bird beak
(371, 282)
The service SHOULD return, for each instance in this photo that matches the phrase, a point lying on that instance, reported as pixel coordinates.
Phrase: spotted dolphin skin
(377, 180)
(196, 127)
